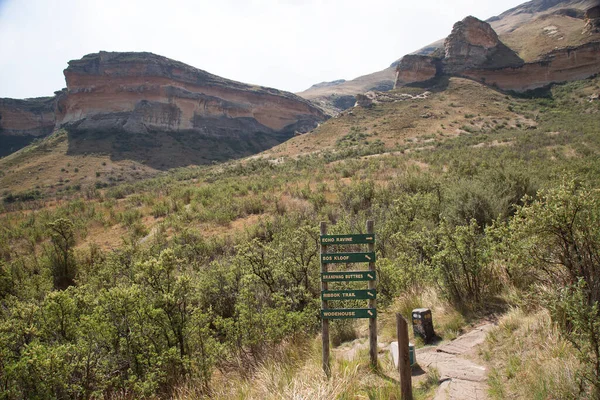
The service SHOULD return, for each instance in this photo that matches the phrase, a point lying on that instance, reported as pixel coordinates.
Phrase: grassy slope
(222, 204)
(464, 106)
(46, 165)
(466, 118)
(544, 34)
(58, 163)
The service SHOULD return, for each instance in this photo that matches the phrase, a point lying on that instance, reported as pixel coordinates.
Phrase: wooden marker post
(404, 358)
(324, 306)
(372, 304)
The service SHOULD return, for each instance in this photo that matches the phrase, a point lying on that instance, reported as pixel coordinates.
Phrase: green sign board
(348, 276)
(337, 258)
(343, 313)
(347, 239)
(349, 294)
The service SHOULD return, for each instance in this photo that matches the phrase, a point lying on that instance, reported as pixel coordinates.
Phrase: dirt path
(462, 379)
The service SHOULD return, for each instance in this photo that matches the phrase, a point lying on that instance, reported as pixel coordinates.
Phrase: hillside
(410, 118)
(531, 29)
(128, 270)
(228, 253)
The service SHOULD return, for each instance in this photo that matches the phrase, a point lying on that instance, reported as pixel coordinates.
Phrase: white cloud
(287, 44)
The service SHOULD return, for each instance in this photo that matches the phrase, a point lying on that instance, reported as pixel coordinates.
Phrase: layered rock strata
(416, 68)
(124, 96)
(22, 121)
(474, 51)
(141, 92)
(561, 65)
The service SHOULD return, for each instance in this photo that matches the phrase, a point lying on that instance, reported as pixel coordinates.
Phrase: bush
(62, 237)
(555, 242)
(342, 331)
(462, 264)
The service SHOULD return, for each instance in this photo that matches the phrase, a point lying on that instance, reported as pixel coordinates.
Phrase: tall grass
(529, 359)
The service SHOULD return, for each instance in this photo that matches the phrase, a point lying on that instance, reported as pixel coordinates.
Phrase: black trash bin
(423, 324)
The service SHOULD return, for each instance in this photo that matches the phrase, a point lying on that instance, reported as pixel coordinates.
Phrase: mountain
(473, 50)
(531, 30)
(157, 111)
(334, 98)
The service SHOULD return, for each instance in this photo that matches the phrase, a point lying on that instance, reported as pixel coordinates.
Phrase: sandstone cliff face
(474, 44)
(158, 111)
(561, 65)
(415, 68)
(474, 51)
(21, 121)
(592, 20)
(142, 92)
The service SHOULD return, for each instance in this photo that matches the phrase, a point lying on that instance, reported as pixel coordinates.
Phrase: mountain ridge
(140, 92)
(510, 26)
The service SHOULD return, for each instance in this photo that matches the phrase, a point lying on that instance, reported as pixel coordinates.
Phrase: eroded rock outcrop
(141, 92)
(137, 105)
(22, 121)
(474, 44)
(592, 20)
(561, 65)
(416, 68)
(474, 51)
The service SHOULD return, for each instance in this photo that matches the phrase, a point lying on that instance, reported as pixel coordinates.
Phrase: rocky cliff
(416, 68)
(592, 20)
(113, 101)
(473, 50)
(561, 65)
(141, 92)
(22, 121)
(474, 44)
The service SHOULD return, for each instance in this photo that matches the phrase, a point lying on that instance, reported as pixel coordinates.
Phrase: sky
(287, 44)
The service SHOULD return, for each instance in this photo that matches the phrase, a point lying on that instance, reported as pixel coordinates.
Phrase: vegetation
(205, 281)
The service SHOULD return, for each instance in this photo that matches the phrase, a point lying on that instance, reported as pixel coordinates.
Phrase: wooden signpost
(348, 276)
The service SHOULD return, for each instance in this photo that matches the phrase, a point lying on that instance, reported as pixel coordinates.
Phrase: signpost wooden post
(372, 303)
(324, 306)
(404, 358)
(327, 295)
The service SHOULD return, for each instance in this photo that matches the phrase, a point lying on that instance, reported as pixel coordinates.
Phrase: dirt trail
(462, 379)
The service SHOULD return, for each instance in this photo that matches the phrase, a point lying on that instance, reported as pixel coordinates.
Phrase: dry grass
(529, 359)
(296, 374)
(48, 166)
(463, 106)
(544, 34)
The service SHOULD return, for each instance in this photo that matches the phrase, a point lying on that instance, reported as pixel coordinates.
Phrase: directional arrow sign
(348, 276)
(336, 258)
(348, 294)
(348, 239)
(343, 313)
